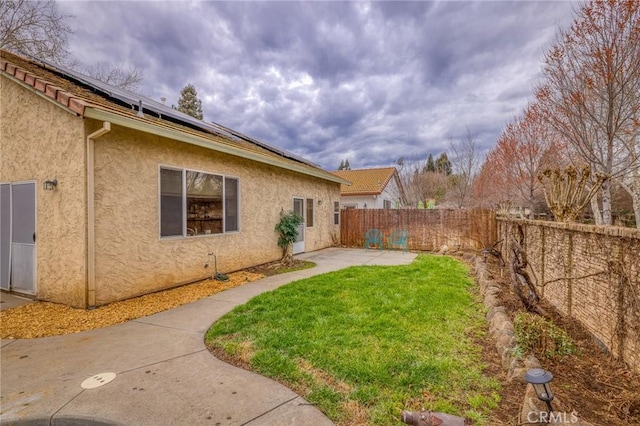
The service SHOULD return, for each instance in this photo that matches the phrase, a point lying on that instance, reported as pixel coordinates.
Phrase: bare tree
(34, 28)
(525, 147)
(491, 187)
(38, 29)
(408, 171)
(464, 166)
(566, 192)
(434, 186)
(420, 185)
(116, 75)
(591, 91)
(630, 182)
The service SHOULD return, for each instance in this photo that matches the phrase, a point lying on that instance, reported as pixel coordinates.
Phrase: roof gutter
(146, 127)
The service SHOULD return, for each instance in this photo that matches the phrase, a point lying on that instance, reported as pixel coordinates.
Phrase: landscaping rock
(501, 328)
(493, 311)
(40, 319)
(468, 256)
(490, 300)
(531, 361)
(517, 374)
(505, 341)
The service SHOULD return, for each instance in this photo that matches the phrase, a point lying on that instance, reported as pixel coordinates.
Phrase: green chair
(398, 239)
(372, 237)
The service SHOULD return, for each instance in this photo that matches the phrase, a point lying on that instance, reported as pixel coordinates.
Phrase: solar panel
(161, 110)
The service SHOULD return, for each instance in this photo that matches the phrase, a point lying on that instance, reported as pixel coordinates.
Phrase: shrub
(288, 230)
(541, 336)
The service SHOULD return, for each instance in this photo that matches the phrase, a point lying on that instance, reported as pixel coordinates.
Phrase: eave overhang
(192, 139)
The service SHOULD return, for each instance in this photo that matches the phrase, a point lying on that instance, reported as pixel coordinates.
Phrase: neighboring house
(106, 195)
(378, 188)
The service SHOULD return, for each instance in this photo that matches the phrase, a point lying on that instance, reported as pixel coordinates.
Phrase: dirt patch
(241, 356)
(601, 389)
(277, 267)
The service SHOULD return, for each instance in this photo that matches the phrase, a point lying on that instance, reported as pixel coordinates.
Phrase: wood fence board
(429, 230)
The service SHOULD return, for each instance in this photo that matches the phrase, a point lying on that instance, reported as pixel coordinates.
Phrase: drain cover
(98, 380)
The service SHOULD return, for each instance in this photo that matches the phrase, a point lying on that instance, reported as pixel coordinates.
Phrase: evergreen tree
(443, 165)
(344, 165)
(431, 165)
(189, 103)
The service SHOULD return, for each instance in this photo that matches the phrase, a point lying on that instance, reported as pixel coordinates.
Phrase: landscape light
(540, 379)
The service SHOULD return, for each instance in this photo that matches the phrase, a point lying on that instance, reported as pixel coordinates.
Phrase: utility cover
(98, 380)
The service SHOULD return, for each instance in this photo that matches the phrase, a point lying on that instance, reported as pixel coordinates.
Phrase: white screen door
(23, 237)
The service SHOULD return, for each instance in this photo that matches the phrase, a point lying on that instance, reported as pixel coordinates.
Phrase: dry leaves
(41, 319)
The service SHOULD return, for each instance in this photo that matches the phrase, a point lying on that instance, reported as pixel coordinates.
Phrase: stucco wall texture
(40, 141)
(132, 259)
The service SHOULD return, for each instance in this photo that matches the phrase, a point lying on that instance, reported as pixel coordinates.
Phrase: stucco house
(106, 195)
(376, 188)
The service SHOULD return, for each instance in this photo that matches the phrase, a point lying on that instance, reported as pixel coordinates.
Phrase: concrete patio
(164, 373)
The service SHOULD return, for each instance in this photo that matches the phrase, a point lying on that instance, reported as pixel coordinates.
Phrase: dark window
(309, 212)
(231, 203)
(191, 203)
(171, 218)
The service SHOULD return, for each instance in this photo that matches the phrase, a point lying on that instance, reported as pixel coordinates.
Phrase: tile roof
(365, 181)
(77, 96)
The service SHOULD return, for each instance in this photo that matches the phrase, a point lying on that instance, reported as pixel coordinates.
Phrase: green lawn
(366, 342)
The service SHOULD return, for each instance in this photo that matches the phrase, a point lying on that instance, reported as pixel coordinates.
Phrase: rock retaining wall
(501, 328)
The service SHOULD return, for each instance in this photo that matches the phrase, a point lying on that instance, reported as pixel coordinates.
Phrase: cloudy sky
(364, 81)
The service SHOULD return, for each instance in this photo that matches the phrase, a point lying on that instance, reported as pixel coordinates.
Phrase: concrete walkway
(10, 300)
(164, 373)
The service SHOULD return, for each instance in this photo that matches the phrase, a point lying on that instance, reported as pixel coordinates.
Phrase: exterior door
(5, 235)
(298, 207)
(23, 237)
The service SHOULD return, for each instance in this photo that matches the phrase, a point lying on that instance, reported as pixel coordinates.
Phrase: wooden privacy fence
(428, 229)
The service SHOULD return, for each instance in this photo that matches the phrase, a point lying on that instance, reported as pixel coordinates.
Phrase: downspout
(90, 293)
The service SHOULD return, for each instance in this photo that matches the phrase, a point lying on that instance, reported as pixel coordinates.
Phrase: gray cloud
(330, 80)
